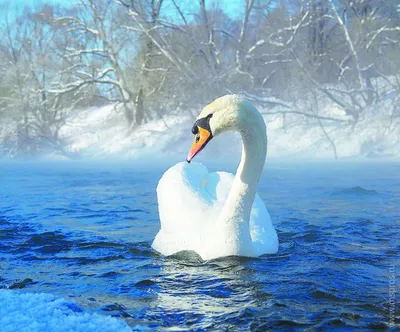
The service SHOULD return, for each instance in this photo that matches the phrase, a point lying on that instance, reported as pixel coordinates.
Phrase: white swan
(214, 214)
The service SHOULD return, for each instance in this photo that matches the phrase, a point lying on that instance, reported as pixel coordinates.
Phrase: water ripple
(87, 235)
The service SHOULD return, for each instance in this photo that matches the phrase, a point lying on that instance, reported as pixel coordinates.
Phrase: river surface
(84, 232)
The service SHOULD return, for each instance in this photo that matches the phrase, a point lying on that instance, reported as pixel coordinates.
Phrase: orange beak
(200, 141)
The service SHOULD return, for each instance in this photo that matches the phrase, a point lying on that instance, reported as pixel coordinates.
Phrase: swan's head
(223, 114)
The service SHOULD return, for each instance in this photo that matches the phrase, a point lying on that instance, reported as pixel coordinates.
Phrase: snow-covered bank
(101, 133)
(36, 312)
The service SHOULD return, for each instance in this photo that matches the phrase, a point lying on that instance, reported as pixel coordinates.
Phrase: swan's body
(215, 214)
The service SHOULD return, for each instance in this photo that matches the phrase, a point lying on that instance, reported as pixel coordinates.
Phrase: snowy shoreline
(100, 133)
(45, 312)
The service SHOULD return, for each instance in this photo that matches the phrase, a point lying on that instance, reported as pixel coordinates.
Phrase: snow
(36, 312)
(101, 133)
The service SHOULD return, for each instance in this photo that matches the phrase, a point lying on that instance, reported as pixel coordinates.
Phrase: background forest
(152, 59)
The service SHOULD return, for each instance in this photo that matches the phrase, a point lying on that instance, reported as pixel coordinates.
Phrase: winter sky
(232, 7)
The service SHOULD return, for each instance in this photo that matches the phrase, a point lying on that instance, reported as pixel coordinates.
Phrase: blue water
(85, 231)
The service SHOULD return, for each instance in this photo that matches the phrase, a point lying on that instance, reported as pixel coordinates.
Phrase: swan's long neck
(252, 128)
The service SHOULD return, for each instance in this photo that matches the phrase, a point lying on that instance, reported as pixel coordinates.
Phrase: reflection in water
(209, 289)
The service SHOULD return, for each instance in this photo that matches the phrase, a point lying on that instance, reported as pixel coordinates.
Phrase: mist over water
(84, 231)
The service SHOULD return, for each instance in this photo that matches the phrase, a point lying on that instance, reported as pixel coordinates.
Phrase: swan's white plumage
(216, 214)
(190, 201)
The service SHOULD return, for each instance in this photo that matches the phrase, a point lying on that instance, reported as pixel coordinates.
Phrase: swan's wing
(187, 196)
(218, 187)
(182, 196)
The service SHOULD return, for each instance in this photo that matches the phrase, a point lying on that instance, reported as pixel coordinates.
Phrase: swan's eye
(195, 130)
(209, 116)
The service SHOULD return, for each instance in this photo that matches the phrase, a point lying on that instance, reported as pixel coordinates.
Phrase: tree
(98, 51)
(36, 114)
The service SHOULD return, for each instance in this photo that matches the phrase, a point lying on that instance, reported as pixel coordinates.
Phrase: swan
(216, 214)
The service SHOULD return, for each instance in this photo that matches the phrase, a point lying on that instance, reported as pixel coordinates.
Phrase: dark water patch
(117, 310)
(334, 323)
(6, 233)
(6, 211)
(323, 295)
(141, 250)
(3, 222)
(308, 237)
(16, 225)
(356, 191)
(233, 260)
(49, 239)
(60, 211)
(73, 307)
(145, 283)
(361, 222)
(372, 307)
(75, 274)
(3, 283)
(52, 249)
(377, 326)
(284, 324)
(20, 284)
(93, 215)
(350, 315)
(90, 260)
(280, 305)
(393, 252)
(23, 242)
(111, 275)
(99, 245)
